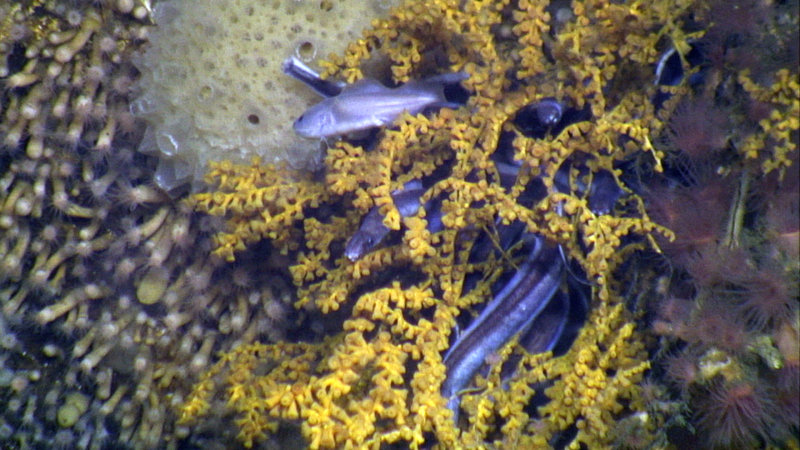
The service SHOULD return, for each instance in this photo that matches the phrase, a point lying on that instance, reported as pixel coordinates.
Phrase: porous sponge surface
(212, 87)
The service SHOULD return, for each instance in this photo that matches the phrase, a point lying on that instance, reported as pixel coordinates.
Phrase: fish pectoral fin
(359, 134)
(378, 121)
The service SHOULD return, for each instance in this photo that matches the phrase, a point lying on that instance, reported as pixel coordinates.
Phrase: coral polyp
(101, 292)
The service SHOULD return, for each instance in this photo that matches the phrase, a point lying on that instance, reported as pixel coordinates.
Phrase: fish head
(362, 242)
(317, 122)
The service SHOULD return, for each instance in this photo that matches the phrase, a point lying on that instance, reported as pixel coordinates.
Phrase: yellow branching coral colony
(377, 379)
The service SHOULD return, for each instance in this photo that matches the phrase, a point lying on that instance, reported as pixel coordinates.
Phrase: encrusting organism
(211, 86)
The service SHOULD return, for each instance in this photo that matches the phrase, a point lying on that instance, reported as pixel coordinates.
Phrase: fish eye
(300, 119)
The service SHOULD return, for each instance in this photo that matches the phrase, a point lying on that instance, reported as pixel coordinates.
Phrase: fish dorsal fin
(366, 86)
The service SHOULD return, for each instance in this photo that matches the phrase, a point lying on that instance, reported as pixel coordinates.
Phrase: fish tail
(296, 69)
(437, 85)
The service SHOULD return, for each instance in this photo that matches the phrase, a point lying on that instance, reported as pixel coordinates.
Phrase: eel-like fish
(511, 310)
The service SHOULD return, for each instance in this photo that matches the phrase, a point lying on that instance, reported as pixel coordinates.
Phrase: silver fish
(367, 103)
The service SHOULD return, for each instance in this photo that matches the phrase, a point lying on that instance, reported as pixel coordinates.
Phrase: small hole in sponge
(206, 92)
(306, 51)
(254, 119)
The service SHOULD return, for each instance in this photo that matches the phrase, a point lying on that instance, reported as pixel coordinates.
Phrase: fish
(372, 230)
(529, 303)
(513, 309)
(367, 104)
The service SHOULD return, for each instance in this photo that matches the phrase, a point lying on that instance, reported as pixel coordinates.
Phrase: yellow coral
(779, 128)
(264, 202)
(378, 380)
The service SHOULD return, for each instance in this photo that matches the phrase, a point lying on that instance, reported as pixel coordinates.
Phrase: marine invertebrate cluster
(728, 311)
(732, 302)
(212, 88)
(106, 285)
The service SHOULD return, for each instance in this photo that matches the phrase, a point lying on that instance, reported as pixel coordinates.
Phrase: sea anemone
(787, 387)
(736, 414)
(718, 263)
(770, 297)
(682, 369)
(696, 214)
(717, 324)
(698, 129)
(783, 212)
(674, 314)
